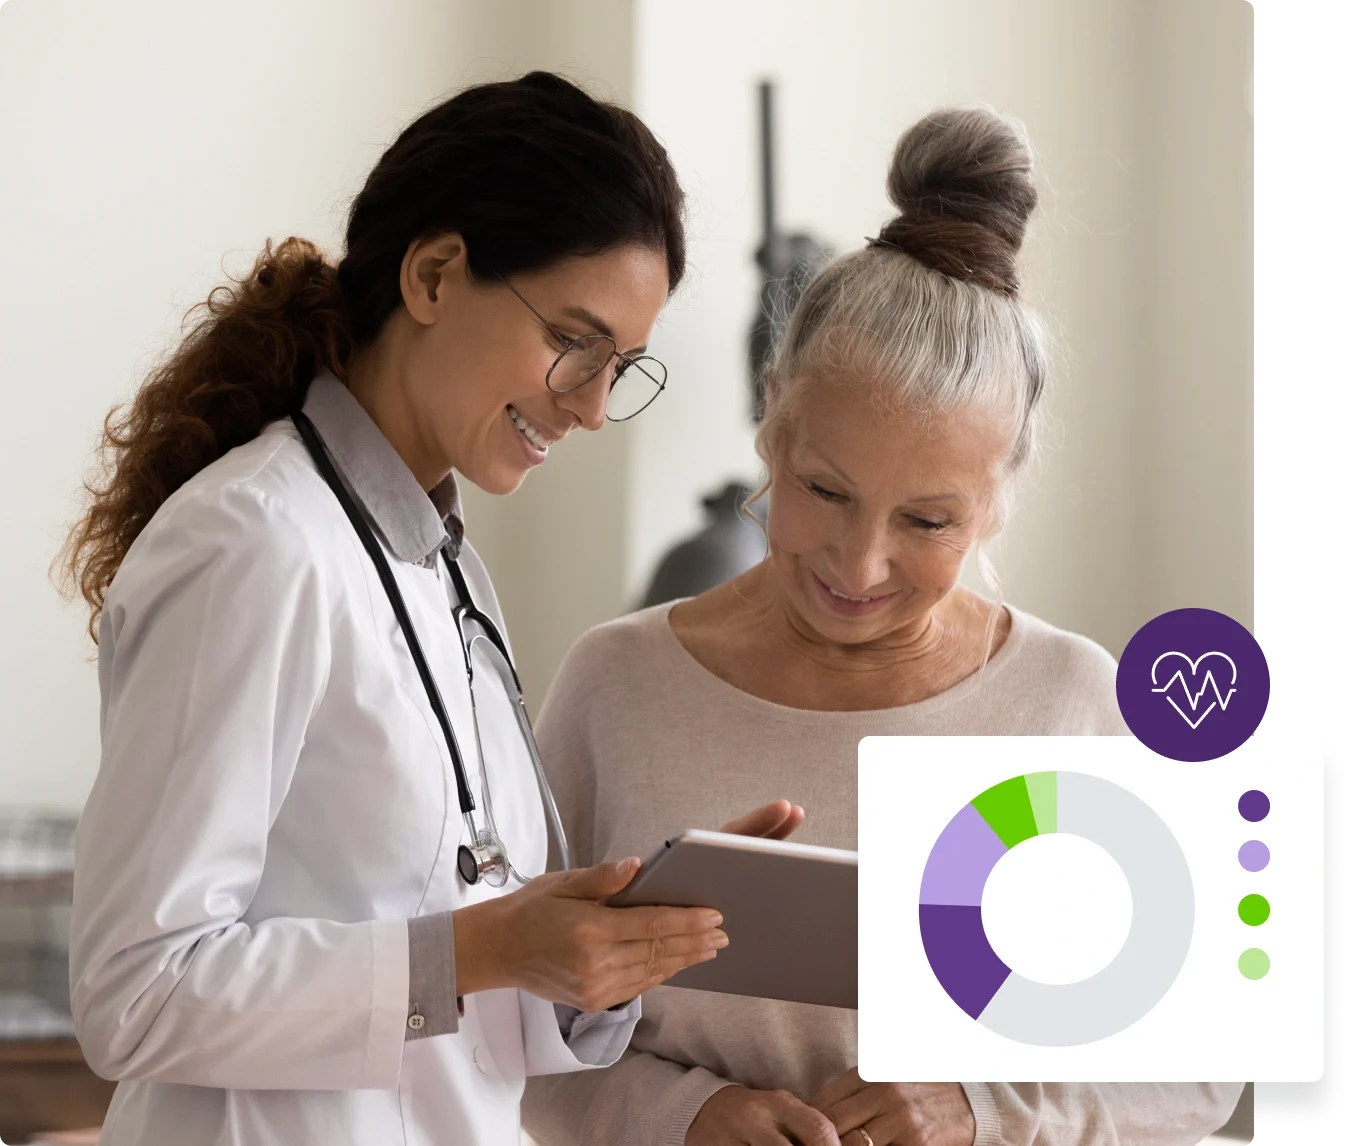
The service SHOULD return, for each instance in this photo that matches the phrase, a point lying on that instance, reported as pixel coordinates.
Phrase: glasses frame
(569, 343)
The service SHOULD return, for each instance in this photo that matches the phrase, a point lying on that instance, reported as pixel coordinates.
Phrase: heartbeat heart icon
(1156, 681)
(1222, 666)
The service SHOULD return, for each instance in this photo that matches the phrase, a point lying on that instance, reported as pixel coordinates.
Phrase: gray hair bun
(962, 180)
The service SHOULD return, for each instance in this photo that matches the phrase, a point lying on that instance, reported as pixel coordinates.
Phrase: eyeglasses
(637, 382)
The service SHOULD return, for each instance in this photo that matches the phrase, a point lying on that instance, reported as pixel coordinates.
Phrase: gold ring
(869, 1140)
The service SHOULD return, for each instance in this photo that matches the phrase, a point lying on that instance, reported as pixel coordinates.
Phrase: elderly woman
(900, 408)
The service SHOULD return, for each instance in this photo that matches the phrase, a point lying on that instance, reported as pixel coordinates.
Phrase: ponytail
(250, 351)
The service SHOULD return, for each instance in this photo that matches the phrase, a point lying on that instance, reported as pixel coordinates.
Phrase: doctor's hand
(556, 939)
(897, 1113)
(739, 1116)
(773, 821)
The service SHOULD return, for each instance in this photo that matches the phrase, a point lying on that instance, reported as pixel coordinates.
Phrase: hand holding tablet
(789, 909)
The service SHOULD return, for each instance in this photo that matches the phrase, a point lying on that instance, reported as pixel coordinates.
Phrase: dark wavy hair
(528, 171)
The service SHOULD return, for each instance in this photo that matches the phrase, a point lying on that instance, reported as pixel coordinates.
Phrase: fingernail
(715, 920)
(720, 939)
(628, 865)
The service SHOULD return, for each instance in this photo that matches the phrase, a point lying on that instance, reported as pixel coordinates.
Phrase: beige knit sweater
(642, 742)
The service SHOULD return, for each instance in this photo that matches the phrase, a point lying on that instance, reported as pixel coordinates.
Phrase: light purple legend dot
(1253, 805)
(1254, 855)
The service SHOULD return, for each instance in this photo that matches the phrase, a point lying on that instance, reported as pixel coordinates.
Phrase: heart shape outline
(1194, 698)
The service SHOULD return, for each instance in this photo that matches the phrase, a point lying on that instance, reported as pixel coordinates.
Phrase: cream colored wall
(1196, 463)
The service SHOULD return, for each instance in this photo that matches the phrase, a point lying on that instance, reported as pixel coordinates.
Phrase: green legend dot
(1253, 963)
(1253, 910)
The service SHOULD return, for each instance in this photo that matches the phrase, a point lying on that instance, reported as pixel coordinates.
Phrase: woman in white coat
(276, 936)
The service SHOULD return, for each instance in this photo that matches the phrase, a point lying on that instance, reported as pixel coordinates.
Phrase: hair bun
(963, 182)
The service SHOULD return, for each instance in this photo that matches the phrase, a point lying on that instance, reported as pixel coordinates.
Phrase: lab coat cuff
(987, 1118)
(432, 1001)
(388, 1005)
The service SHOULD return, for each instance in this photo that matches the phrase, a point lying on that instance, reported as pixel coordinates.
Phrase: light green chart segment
(1043, 789)
(1021, 807)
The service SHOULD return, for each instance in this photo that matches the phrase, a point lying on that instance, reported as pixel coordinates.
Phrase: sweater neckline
(714, 687)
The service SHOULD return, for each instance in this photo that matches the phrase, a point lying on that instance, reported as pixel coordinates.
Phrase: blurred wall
(1197, 461)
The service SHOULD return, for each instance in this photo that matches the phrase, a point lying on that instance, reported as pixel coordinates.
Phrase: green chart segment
(1021, 807)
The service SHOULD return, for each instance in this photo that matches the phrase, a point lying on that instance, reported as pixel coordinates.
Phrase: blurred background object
(729, 544)
(786, 261)
(154, 144)
(36, 866)
(44, 1082)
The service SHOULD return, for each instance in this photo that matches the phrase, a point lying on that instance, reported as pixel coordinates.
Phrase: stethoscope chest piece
(483, 861)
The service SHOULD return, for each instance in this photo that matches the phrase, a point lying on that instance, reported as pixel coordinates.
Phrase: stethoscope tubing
(481, 841)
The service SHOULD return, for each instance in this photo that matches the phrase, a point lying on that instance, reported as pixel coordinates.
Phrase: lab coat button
(482, 1057)
(416, 1022)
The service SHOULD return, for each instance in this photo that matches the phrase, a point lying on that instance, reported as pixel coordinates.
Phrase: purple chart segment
(960, 860)
(959, 953)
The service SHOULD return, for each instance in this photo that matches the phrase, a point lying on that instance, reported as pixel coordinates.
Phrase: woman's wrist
(480, 955)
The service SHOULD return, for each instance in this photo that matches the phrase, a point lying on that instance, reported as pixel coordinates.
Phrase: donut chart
(950, 910)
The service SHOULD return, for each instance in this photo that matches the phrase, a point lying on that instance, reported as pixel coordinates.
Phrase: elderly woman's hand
(741, 1116)
(897, 1113)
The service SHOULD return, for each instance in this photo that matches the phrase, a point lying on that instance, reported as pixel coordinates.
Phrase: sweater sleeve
(643, 1100)
(1099, 1114)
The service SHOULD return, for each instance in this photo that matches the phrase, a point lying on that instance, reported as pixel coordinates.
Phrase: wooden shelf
(46, 1085)
(54, 889)
(40, 1050)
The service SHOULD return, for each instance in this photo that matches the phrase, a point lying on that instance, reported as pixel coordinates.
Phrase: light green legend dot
(1253, 963)
(1253, 910)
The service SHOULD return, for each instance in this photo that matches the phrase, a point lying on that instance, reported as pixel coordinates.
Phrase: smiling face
(873, 512)
(456, 379)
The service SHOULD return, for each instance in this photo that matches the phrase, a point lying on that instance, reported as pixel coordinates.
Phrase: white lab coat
(274, 801)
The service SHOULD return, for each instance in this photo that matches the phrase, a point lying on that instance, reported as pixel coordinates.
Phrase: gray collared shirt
(416, 526)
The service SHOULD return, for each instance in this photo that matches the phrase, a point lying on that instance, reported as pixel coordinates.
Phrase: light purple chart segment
(950, 914)
(960, 861)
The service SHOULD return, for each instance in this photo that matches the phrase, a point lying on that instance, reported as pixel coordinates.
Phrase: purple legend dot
(1253, 805)
(1254, 855)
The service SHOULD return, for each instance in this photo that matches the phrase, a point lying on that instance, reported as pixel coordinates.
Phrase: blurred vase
(729, 544)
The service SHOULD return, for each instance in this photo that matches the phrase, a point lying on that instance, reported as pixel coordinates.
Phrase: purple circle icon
(1192, 684)
(1253, 855)
(1253, 806)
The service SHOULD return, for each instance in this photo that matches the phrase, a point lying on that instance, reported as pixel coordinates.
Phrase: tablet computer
(790, 911)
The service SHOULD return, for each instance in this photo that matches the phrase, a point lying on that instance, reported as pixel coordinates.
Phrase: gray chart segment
(1070, 1014)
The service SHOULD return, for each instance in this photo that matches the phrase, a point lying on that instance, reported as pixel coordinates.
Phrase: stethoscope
(484, 857)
